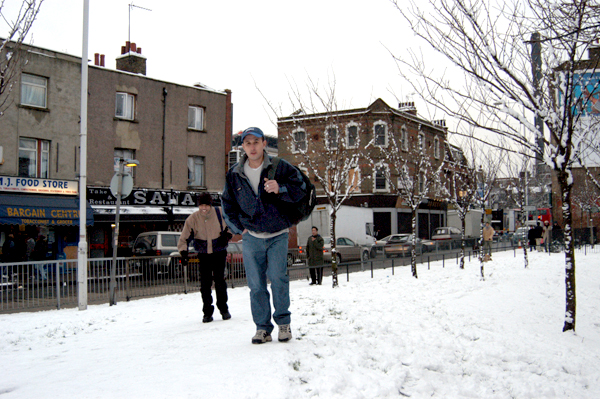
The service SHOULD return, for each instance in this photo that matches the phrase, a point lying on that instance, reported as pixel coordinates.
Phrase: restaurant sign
(145, 197)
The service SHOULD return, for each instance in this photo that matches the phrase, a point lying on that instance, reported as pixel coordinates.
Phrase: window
(404, 180)
(436, 148)
(196, 172)
(33, 90)
(196, 118)
(331, 135)
(380, 178)
(351, 136)
(34, 158)
(125, 106)
(121, 153)
(380, 134)
(421, 183)
(353, 180)
(404, 138)
(299, 140)
(421, 142)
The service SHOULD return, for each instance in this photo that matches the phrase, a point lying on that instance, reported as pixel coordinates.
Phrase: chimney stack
(131, 59)
(99, 59)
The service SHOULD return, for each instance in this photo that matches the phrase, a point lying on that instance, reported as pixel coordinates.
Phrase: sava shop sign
(148, 197)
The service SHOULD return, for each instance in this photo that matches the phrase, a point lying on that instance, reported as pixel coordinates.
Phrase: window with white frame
(352, 135)
(404, 180)
(34, 158)
(380, 134)
(421, 142)
(125, 106)
(421, 182)
(125, 154)
(196, 171)
(354, 180)
(331, 135)
(34, 90)
(436, 147)
(196, 118)
(299, 140)
(380, 182)
(404, 138)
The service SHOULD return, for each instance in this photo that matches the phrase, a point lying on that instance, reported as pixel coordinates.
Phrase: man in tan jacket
(210, 236)
(488, 237)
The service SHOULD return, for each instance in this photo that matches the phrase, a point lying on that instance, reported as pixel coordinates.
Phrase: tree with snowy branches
(333, 158)
(11, 59)
(505, 57)
(410, 172)
(518, 189)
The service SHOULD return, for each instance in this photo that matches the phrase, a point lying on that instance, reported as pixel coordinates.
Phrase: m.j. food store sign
(39, 186)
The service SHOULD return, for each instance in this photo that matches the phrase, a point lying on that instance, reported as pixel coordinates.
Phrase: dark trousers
(212, 268)
(316, 275)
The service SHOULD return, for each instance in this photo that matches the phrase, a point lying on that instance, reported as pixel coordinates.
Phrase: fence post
(347, 273)
(428, 264)
(57, 284)
(443, 260)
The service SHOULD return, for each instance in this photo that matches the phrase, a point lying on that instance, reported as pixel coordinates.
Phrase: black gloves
(184, 256)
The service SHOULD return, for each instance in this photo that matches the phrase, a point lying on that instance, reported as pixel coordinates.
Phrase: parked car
(347, 250)
(377, 248)
(520, 236)
(235, 261)
(452, 235)
(401, 245)
(158, 245)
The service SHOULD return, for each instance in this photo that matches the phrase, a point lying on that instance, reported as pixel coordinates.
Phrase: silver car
(347, 250)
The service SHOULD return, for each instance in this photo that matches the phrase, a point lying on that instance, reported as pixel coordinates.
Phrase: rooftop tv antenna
(131, 5)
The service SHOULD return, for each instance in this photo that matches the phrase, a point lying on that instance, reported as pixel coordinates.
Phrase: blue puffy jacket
(265, 212)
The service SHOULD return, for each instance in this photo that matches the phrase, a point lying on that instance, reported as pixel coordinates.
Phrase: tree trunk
(570, 288)
(524, 224)
(462, 241)
(334, 259)
(413, 260)
(481, 248)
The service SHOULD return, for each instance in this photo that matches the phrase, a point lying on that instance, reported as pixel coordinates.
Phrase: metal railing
(28, 286)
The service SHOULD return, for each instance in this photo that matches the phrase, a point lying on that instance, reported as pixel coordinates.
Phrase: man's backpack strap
(220, 218)
(273, 170)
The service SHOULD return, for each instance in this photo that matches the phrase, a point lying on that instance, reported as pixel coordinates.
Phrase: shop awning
(42, 210)
(127, 213)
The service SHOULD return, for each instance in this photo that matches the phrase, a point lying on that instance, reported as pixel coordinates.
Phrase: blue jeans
(267, 258)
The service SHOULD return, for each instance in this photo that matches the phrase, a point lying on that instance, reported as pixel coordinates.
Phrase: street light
(120, 175)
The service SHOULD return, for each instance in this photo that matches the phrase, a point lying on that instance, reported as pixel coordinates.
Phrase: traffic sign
(126, 187)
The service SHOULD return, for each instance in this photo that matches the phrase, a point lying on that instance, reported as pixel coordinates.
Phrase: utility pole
(536, 71)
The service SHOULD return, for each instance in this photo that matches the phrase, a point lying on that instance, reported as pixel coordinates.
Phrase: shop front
(141, 211)
(44, 212)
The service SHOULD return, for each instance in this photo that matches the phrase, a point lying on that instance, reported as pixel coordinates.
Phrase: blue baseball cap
(253, 131)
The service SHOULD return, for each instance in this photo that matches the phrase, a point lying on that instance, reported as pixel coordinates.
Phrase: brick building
(368, 131)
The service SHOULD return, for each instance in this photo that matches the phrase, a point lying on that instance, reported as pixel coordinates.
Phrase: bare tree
(517, 189)
(11, 59)
(413, 176)
(331, 160)
(496, 48)
(462, 184)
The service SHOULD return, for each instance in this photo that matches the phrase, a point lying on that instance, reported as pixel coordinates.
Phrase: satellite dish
(126, 187)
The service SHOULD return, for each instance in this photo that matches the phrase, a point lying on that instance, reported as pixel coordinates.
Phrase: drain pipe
(162, 169)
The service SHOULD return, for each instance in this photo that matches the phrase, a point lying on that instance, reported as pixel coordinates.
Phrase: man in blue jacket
(255, 207)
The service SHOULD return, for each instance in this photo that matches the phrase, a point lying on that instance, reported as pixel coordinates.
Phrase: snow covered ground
(445, 335)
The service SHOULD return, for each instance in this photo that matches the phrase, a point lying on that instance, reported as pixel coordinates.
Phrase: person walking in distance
(314, 253)
(255, 206)
(210, 236)
(488, 237)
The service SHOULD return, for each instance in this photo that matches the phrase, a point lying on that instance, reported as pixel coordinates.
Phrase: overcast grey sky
(238, 45)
